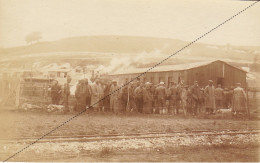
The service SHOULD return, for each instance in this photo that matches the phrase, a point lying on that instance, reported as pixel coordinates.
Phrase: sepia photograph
(129, 81)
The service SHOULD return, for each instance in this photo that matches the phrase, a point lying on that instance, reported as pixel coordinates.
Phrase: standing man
(172, 98)
(95, 95)
(66, 94)
(114, 94)
(55, 93)
(147, 99)
(101, 95)
(107, 97)
(181, 97)
(239, 100)
(133, 88)
(225, 100)
(230, 96)
(219, 92)
(139, 97)
(131, 103)
(210, 98)
(195, 97)
(80, 95)
(154, 99)
(125, 97)
(161, 94)
(88, 93)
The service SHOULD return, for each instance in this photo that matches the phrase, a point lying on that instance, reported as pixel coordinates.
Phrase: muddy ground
(17, 124)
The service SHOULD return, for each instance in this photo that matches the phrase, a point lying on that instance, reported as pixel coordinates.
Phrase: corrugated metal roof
(178, 67)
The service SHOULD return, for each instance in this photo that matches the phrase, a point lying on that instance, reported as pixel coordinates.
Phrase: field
(27, 124)
(33, 125)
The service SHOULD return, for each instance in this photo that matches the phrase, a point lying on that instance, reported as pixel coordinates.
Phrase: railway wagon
(219, 71)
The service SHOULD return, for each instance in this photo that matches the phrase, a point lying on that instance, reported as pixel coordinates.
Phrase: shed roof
(178, 67)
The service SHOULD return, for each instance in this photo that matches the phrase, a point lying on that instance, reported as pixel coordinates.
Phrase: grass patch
(106, 151)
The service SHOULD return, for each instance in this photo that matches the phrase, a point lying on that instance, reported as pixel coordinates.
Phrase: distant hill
(127, 44)
(140, 51)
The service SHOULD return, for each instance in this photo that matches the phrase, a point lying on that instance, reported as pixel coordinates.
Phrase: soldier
(182, 98)
(172, 98)
(231, 93)
(210, 98)
(179, 89)
(124, 97)
(107, 97)
(133, 87)
(147, 99)
(66, 94)
(161, 94)
(80, 95)
(195, 96)
(202, 101)
(88, 92)
(154, 99)
(114, 95)
(189, 100)
(101, 96)
(139, 97)
(95, 96)
(225, 100)
(219, 93)
(55, 93)
(239, 100)
(131, 103)
(230, 96)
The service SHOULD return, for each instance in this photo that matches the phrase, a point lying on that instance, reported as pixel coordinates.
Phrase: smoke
(130, 61)
(36, 65)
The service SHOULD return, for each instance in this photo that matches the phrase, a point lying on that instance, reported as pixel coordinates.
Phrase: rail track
(149, 135)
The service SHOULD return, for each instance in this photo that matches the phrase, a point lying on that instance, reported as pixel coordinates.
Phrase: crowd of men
(149, 98)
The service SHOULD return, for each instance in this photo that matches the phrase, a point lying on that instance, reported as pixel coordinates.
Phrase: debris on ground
(30, 107)
(55, 108)
(228, 110)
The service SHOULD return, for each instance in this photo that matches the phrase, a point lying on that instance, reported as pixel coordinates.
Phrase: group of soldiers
(149, 98)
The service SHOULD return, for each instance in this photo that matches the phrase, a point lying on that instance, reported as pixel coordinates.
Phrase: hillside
(128, 44)
(120, 51)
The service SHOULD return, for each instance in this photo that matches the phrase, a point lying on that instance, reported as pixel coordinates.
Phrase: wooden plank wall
(231, 75)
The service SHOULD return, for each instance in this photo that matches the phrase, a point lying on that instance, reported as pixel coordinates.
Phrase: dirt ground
(30, 124)
(229, 153)
(16, 124)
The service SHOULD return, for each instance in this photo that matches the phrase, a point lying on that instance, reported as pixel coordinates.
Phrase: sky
(185, 20)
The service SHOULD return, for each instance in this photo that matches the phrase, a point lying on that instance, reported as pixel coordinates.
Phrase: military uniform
(95, 97)
(81, 95)
(66, 94)
(161, 94)
(88, 93)
(239, 100)
(114, 105)
(219, 92)
(210, 98)
(56, 94)
(107, 98)
(195, 97)
(139, 99)
(124, 97)
(172, 99)
(147, 99)
(131, 102)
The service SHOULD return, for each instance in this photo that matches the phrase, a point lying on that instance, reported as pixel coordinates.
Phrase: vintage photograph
(129, 81)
